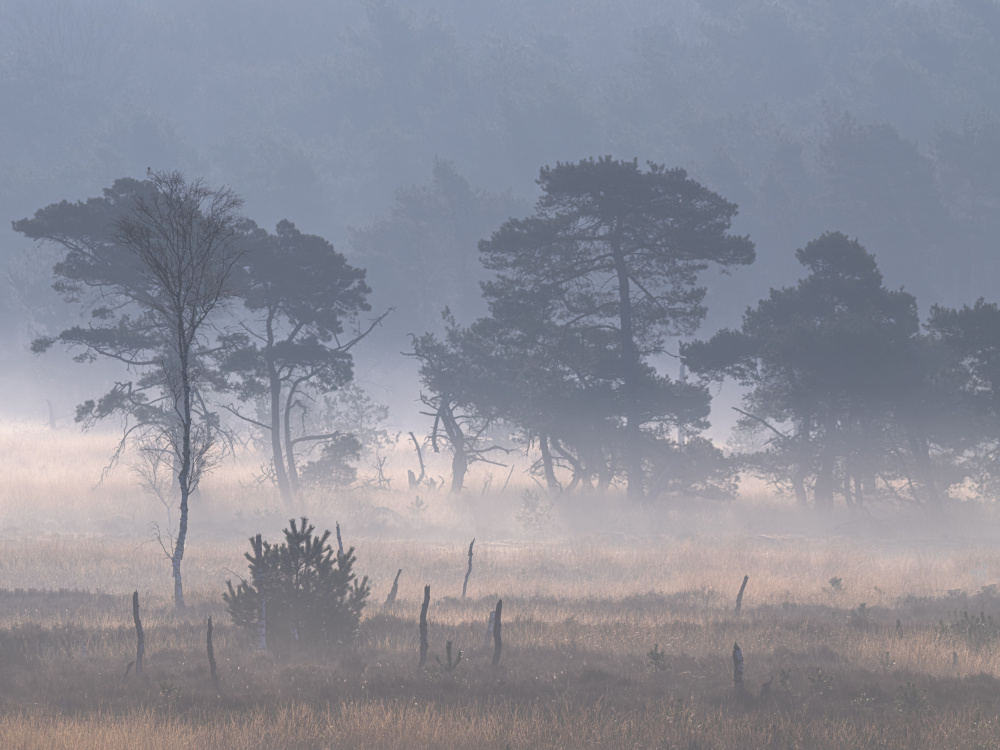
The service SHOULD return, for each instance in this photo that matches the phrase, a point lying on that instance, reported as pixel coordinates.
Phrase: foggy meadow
(433, 375)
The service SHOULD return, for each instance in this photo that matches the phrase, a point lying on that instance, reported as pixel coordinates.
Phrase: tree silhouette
(300, 293)
(152, 261)
(614, 248)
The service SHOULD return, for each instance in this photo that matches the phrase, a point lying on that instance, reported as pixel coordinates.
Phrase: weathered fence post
(497, 639)
(737, 668)
(468, 573)
(739, 596)
(391, 599)
(211, 655)
(423, 626)
(140, 645)
(489, 627)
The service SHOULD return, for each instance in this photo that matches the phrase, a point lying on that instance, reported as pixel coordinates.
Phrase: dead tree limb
(211, 655)
(140, 646)
(497, 639)
(413, 478)
(489, 627)
(468, 573)
(761, 420)
(423, 627)
(391, 599)
(739, 596)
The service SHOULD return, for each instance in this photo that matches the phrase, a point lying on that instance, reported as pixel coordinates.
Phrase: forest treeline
(226, 330)
(878, 119)
(221, 323)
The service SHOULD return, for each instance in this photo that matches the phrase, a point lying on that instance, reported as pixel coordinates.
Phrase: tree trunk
(824, 475)
(801, 468)
(824, 479)
(293, 474)
(459, 460)
(550, 474)
(580, 476)
(184, 476)
(630, 375)
(274, 382)
(922, 460)
(459, 468)
(280, 476)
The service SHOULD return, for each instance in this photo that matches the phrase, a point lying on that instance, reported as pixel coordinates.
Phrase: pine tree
(310, 592)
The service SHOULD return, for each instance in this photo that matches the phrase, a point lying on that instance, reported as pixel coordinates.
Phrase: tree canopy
(839, 377)
(612, 258)
(299, 293)
(152, 262)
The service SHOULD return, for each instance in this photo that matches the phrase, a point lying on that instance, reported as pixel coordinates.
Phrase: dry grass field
(588, 593)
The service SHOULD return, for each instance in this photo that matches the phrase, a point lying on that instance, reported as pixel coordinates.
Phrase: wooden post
(497, 640)
(489, 627)
(391, 599)
(468, 573)
(140, 645)
(737, 668)
(211, 655)
(423, 626)
(739, 596)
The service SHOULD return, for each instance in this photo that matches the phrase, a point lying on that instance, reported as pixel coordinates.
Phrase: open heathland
(619, 620)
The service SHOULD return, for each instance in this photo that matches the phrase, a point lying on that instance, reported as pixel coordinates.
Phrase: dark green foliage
(969, 345)
(312, 594)
(299, 296)
(586, 291)
(695, 468)
(588, 288)
(333, 466)
(842, 384)
(459, 382)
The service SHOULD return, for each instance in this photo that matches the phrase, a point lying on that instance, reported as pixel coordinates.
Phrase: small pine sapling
(657, 659)
(309, 590)
(448, 665)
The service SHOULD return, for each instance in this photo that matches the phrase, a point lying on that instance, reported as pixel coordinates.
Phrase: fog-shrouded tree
(422, 255)
(304, 302)
(615, 248)
(454, 384)
(153, 262)
(557, 389)
(968, 339)
(840, 380)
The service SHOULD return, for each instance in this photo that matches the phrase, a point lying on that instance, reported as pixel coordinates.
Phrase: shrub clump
(307, 592)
